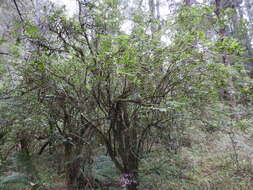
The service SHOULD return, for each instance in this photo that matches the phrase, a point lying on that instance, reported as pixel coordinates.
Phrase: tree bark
(37, 11)
(72, 167)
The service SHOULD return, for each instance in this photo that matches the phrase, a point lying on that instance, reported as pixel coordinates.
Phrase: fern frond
(14, 182)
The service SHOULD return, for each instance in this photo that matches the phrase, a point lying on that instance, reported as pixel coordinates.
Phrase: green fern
(24, 164)
(20, 181)
(14, 182)
(104, 169)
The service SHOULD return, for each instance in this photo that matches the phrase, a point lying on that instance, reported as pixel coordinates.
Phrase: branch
(136, 101)
(3, 53)
(43, 148)
(107, 143)
(19, 13)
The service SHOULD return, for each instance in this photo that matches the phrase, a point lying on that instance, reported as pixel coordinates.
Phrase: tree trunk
(78, 168)
(123, 147)
(189, 2)
(27, 165)
(133, 171)
(132, 186)
(37, 7)
(152, 15)
(72, 167)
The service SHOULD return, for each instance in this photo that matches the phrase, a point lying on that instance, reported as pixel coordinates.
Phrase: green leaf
(124, 37)
(2, 40)
(32, 30)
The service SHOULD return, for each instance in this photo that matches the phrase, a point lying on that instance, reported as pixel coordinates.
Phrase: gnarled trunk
(122, 148)
(78, 161)
(72, 167)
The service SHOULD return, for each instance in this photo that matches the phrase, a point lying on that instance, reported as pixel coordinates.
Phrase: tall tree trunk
(151, 4)
(249, 10)
(225, 93)
(37, 7)
(158, 9)
(248, 35)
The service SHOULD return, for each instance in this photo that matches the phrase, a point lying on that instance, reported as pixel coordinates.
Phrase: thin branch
(19, 13)
(43, 148)
(3, 53)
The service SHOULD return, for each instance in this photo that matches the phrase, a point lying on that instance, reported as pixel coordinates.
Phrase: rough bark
(72, 167)
(151, 4)
(122, 149)
(189, 2)
(37, 6)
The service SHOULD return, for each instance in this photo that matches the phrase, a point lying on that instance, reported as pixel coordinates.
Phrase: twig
(19, 13)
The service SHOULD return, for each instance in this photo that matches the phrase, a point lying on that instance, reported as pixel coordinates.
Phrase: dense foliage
(164, 103)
